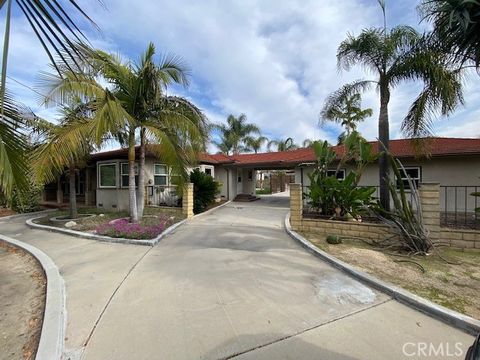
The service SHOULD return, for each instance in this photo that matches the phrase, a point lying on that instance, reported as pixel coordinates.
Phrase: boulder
(70, 224)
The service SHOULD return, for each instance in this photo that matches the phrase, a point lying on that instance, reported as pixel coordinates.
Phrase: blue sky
(272, 60)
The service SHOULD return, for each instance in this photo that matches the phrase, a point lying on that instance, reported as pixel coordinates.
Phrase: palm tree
(54, 27)
(13, 147)
(133, 99)
(234, 133)
(395, 56)
(456, 27)
(346, 111)
(49, 154)
(307, 143)
(282, 144)
(255, 144)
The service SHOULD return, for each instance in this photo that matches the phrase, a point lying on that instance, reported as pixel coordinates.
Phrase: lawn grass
(451, 277)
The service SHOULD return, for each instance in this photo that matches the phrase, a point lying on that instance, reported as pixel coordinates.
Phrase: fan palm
(234, 134)
(134, 99)
(255, 144)
(395, 56)
(456, 26)
(282, 144)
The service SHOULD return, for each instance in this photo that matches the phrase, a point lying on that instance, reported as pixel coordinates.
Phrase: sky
(273, 60)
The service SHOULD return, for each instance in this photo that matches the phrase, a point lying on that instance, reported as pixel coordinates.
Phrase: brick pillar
(430, 201)
(296, 206)
(187, 200)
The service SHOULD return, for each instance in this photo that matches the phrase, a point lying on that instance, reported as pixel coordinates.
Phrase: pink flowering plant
(147, 229)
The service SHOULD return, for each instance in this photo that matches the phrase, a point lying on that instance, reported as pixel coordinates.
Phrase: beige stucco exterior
(460, 171)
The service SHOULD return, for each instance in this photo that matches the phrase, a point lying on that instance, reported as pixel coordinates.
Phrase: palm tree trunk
(132, 198)
(384, 137)
(73, 214)
(141, 175)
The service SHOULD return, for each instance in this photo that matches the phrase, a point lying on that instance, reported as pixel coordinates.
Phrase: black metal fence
(458, 206)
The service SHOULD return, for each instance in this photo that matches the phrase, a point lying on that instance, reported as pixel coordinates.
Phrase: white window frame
(418, 179)
(340, 171)
(127, 174)
(167, 174)
(110, 163)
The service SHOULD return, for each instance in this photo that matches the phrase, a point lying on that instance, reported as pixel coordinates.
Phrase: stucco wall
(221, 175)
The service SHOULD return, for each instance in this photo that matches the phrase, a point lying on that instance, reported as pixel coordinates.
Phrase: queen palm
(134, 100)
(456, 27)
(282, 144)
(234, 133)
(50, 156)
(394, 56)
(255, 143)
(345, 111)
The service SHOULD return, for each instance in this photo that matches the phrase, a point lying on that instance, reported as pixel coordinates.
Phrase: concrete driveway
(230, 283)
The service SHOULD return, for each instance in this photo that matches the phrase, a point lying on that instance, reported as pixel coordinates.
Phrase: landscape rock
(70, 224)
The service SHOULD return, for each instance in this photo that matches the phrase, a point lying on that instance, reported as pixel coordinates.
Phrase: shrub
(27, 200)
(205, 188)
(122, 228)
(334, 239)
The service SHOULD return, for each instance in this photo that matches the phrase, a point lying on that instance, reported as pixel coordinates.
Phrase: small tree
(205, 188)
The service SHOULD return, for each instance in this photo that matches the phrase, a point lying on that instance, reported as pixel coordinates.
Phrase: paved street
(226, 284)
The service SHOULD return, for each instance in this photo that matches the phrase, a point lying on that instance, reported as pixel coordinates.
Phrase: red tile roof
(401, 148)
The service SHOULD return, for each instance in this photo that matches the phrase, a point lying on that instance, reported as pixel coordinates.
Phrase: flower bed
(147, 229)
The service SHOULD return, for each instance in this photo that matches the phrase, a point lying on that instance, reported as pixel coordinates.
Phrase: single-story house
(453, 162)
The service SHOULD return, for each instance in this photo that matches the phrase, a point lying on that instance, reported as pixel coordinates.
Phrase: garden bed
(455, 286)
(115, 224)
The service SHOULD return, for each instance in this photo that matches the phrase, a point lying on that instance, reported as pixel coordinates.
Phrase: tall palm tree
(134, 100)
(346, 111)
(234, 133)
(394, 56)
(456, 27)
(282, 144)
(49, 154)
(255, 144)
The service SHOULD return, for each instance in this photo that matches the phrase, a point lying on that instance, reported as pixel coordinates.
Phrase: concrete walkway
(227, 284)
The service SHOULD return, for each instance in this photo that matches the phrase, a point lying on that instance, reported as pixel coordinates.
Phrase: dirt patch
(6, 212)
(455, 285)
(22, 303)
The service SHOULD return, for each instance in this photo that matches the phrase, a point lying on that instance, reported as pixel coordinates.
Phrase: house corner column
(187, 201)
(430, 203)
(296, 206)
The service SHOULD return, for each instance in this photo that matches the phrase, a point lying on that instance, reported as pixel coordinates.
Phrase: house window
(107, 175)
(413, 172)
(208, 171)
(124, 174)
(160, 174)
(340, 174)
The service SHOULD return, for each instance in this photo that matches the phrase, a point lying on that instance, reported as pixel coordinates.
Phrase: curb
(103, 238)
(52, 337)
(17, 216)
(450, 317)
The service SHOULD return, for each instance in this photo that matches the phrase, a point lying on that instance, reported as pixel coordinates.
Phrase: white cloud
(273, 60)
